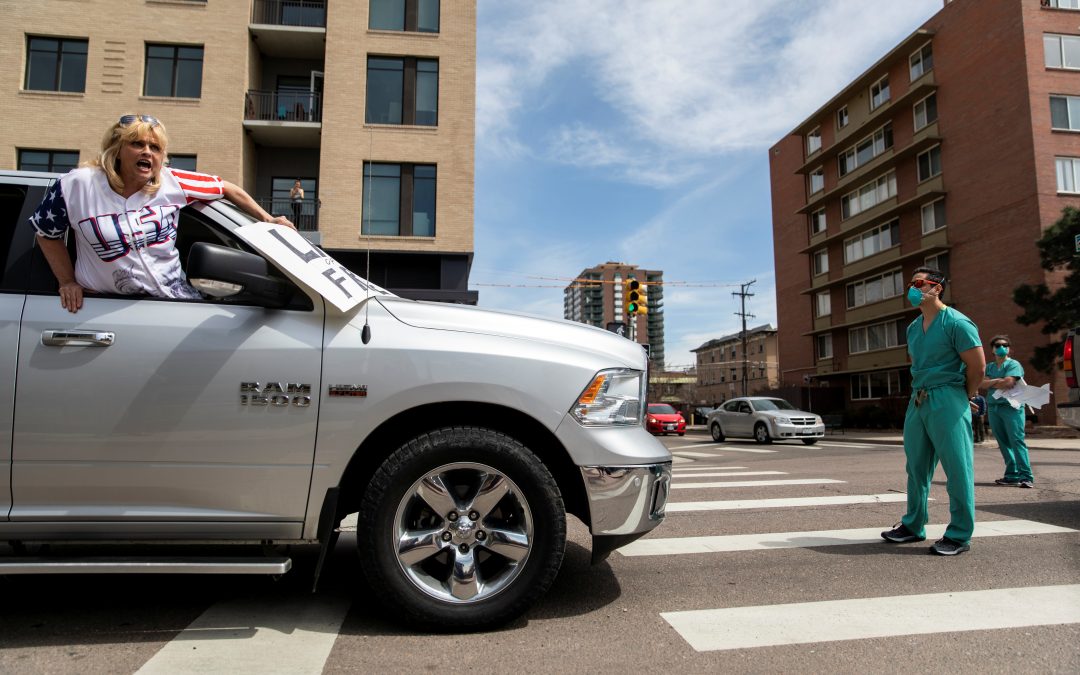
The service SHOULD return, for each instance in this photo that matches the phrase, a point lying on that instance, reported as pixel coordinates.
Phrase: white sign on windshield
(309, 265)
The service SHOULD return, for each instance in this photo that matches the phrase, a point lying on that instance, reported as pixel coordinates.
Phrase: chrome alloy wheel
(464, 532)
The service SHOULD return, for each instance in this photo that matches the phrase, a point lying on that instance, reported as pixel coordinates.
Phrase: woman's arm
(237, 195)
(56, 254)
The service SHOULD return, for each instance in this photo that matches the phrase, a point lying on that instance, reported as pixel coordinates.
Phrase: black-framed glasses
(130, 119)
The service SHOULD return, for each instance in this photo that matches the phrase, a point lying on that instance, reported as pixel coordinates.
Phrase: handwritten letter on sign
(308, 264)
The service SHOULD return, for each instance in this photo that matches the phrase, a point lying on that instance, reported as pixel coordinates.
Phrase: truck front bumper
(625, 502)
(1070, 414)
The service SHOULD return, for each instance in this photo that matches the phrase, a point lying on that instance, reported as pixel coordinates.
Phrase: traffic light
(643, 301)
(632, 296)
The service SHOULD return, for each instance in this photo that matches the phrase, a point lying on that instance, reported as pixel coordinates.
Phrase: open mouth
(144, 164)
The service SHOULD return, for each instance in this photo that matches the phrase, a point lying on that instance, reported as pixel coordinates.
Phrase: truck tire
(461, 529)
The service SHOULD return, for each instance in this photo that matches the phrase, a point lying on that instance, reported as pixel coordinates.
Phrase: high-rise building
(957, 149)
(596, 297)
(369, 103)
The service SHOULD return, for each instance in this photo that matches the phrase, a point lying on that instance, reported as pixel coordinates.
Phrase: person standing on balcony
(1007, 422)
(947, 363)
(296, 197)
(122, 208)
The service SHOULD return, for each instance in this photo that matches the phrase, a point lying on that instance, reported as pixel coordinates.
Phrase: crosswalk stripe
(724, 474)
(691, 445)
(675, 459)
(733, 504)
(834, 620)
(687, 453)
(255, 635)
(756, 483)
(683, 469)
(779, 540)
(847, 445)
(736, 448)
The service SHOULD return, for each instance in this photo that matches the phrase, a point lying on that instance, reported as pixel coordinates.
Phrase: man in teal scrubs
(947, 364)
(1007, 422)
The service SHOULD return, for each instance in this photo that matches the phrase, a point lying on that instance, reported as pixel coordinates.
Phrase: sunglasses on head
(130, 119)
(920, 283)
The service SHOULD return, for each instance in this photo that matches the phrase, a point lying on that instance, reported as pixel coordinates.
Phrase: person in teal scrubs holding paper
(1007, 422)
(947, 363)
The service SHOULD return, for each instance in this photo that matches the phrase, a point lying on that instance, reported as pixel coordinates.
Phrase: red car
(662, 419)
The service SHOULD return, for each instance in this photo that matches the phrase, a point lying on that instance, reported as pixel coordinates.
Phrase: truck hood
(469, 319)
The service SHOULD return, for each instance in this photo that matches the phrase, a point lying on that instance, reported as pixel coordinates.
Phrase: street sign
(617, 327)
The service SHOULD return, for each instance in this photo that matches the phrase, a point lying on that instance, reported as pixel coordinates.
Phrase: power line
(743, 294)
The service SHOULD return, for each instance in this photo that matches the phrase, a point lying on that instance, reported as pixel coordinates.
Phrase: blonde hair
(114, 139)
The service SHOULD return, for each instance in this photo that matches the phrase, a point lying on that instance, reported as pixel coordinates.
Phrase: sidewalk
(1059, 439)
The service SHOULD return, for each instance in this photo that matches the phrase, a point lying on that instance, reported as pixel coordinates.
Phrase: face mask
(1001, 351)
(914, 296)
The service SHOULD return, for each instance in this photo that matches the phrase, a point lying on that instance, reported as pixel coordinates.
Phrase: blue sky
(638, 130)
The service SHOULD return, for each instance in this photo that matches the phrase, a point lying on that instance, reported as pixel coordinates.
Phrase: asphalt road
(736, 580)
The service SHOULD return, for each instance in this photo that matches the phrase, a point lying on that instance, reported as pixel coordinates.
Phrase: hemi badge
(359, 390)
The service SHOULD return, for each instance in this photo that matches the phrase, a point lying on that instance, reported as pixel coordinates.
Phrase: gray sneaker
(1007, 481)
(1026, 483)
(900, 535)
(946, 546)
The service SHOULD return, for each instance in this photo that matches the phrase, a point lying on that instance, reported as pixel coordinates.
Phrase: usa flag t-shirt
(125, 246)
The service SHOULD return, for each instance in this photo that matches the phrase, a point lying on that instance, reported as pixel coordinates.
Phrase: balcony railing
(304, 13)
(294, 106)
(306, 221)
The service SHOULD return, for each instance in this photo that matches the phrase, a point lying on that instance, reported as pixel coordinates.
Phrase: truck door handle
(77, 338)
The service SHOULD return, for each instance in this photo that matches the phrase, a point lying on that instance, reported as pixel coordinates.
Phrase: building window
(824, 346)
(939, 262)
(401, 200)
(933, 216)
(1062, 51)
(877, 336)
(817, 181)
(879, 93)
(921, 62)
(875, 288)
(54, 64)
(59, 161)
(813, 141)
(874, 241)
(174, 71)
(869, 195)
(821, 262)
(929, 163)
(842, 118)
(410, 15)
(866, 149)
(822, 304)
(1068, 174)
(817, 222)
(182, 162)
(1065, 112)
(926, 111)
(402, 91)
(875, 385)
(1062, 4)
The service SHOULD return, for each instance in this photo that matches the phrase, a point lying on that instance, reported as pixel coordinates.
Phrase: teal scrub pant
(940, 430)
(1007, 424)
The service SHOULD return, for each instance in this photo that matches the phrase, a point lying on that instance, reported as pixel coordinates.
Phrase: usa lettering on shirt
(125, 246)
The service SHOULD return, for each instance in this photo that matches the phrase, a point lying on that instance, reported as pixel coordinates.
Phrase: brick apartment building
(957, 149)
(595, 297)
(723, 367)
(262, 92)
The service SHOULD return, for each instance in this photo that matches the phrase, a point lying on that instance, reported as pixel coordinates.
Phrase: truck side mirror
(236, 276)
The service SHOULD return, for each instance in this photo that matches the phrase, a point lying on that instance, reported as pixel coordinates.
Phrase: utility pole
(743, 296)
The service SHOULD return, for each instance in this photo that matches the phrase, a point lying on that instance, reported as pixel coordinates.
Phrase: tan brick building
(264, 92)
(596, 298)
(726, 368)
(956, 149)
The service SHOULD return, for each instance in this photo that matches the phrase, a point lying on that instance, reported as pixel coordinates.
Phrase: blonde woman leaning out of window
(1007, 422)
(122, 208)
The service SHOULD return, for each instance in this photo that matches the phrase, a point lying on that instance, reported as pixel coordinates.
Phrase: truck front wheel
(461, 528)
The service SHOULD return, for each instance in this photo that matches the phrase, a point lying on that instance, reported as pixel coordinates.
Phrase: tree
(1059, 310)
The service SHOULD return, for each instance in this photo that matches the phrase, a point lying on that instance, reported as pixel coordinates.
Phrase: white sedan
(764, 419)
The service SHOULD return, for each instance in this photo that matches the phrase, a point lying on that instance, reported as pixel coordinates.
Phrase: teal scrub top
(1009, 368)
(935, 354)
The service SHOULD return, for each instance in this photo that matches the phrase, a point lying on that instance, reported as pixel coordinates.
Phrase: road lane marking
(779, 540)
(725, 474)
(835, 620)
(756, 483)
(686, 453)
(735, 504)
(255, 635)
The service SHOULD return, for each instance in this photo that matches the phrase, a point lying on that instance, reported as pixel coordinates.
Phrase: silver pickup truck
(263, 415)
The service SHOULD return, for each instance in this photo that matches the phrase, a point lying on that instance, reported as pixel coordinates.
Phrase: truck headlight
(614, 397)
